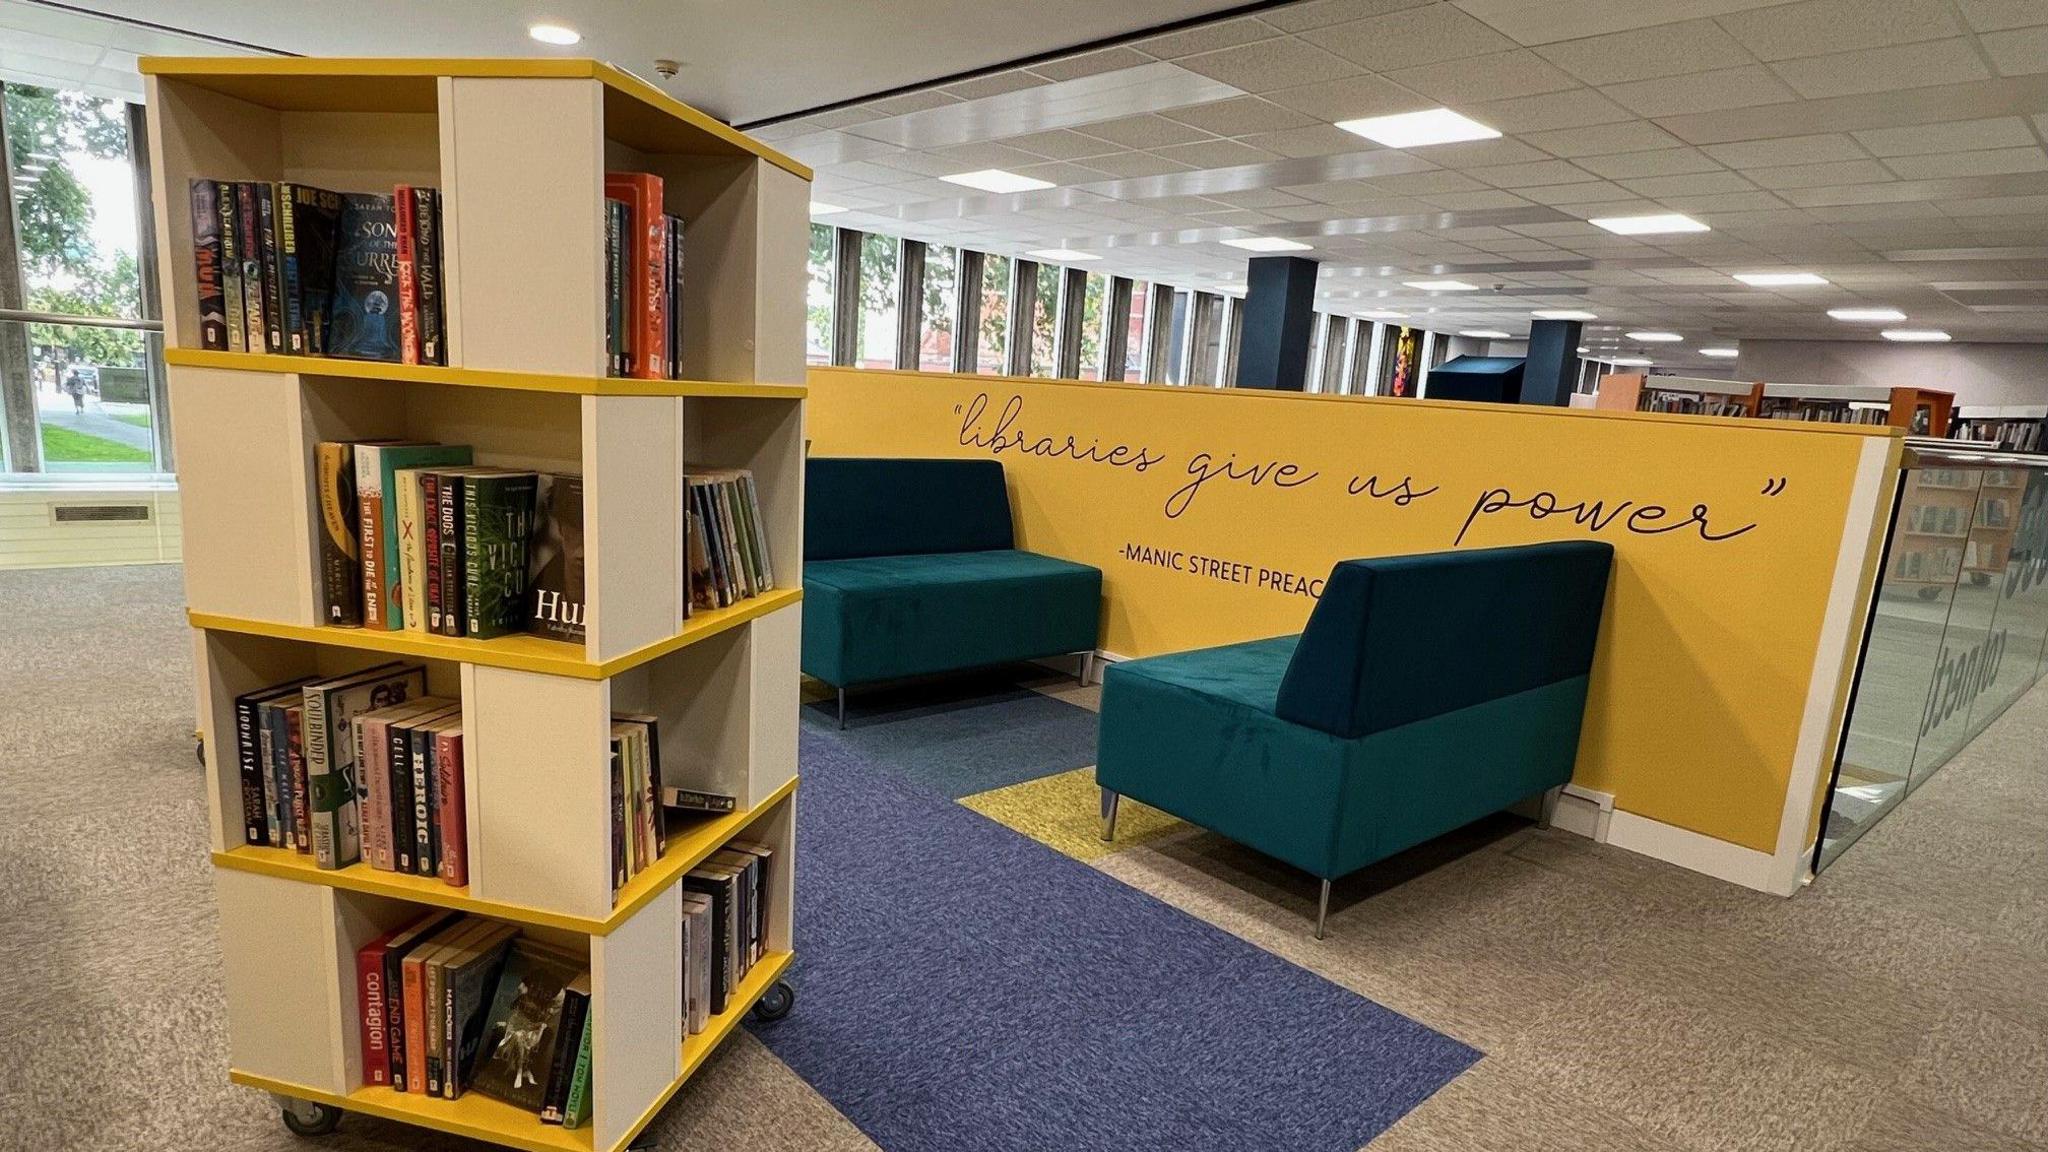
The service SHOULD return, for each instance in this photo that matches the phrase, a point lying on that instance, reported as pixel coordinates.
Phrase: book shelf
(1640, 392)
(1920, 411)
(519, 149)
(2012, 427)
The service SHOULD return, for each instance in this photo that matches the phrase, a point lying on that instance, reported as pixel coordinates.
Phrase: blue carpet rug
(961, 736)
(966, 989)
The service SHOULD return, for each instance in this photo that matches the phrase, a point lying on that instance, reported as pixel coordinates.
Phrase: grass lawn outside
(139, 419)
(64, 445)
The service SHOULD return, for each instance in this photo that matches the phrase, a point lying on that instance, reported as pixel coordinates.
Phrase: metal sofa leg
(842, 709)
(1109, 800)
(1087, 667)
(1322, 909)
(1548, 806)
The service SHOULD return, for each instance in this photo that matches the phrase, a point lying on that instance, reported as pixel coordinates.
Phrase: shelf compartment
(473, 378)
(481, 1118)
(519, 653)
(683, 850)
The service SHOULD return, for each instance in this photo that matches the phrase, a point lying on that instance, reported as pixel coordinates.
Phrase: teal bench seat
(1425, 692)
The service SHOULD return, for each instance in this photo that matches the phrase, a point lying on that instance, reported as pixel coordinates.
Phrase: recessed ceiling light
(1915, 335)
(1062, 254)
(556, 34)
(1656, 337)
(1648, 225)
(820, 208)
(1485, 334)
(1721, 353)
(1267, 244)
(1629, 361)
(1582, 351)
(1418, 129)
(1866, 314)
(1441, 285)
(996, 180)
(1382, 314)
(1562, 314)
(1779, 279)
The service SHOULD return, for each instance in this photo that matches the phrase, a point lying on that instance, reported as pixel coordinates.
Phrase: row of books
(726, 539)
(1936, 520)
(416, 538)
(638, 829)
(725, 927)
(450, 1003)
(1692, 403)
(288, 268)
(643, 246)
(2014, 434)
(1823, 411)
(297, 747)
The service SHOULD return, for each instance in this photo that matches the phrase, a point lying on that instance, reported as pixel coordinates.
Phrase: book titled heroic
(331, 705)
(206, 266)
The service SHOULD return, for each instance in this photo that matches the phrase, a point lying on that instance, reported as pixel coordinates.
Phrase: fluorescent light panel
(1779, 279)
(1854, 314)
(1627, 361)
(1656, 337)
(1382, 314)
(1441, 285)
(1721, 353)
(820, 208)
(559, 35)
(1649, 225)
(996, 180)
(1419, 129)
(1267, 244)
(1485, 334)
(1915, 335)
(1562, 314)
(1062, 254)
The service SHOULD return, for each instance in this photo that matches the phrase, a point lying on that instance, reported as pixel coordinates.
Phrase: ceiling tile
(1703, 203)
(1664, 162)
(1743, 87)
(1995, 162)
(1148, 131)
(1316, 140)
(1257, 198)
(1991, 15)
(1819, 175)
(1269, 64)
(1696, 184)
(1573, 109)
(1240, 117)
(1531, 175)
(1501, 76)
(997, 84)
(1649, 53)
(1923, 65)
(1090, 64)
(1954, 136)
(1347, 99)
(1215, 154)
(2018, 52)
(1238, 217)
(1998, 206)
(910, 102)
(968, 157)
(1410, 38)
(1061, 144)
(1603, 139)
(1590, 192)
(1322, 13)
(842, 117)
(1058, 172)
(1550, 21)
(1428, 183)
(1473, 201)
(1820, 27)
(1786, 150)
(1480, 153)
(1130, 165)
(1205, 38)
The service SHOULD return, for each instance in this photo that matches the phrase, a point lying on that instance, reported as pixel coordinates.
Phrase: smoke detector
(668, 68)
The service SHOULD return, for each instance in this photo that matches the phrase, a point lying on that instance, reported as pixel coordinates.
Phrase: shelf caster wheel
(306, 1118)
(775, 1003)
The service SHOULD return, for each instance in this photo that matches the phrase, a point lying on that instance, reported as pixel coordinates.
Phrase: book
(433, 998)
(555, 588)
(362, 322)
(413, 985)
(277, 787)
(699, 558)
(406, 790)
(295, 756)
(522, 1028)
(650, 779)
(692, 800)
(378, 536)
(257, 795)
(451, 817)
(646, 272)
(331, 705)
(373, 763)
(696, 919)
(411, 535)
(497, 524)
(430, 548)
(207, 267)
(309, 218)
(448, 528)
(675, 297)
(273, 271)
(427, 275)
(717, 884)
(396, 950)
(764, 859)
(249, 243)
(402, 208)
(341, 571)
(616, 218)
(745, 919)
(576, 1105)
(564, 1047)
(373, 1011)
(468, 979)
(426, 832)
(235, 316)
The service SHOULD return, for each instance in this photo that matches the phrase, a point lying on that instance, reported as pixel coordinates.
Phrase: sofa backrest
(870, 506)
(1398, 639)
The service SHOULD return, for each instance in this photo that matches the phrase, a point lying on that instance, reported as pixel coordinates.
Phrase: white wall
(1976, 373)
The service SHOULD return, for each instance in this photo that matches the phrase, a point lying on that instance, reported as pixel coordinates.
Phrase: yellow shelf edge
(521, 653)
(508, 68)
(685, 850)
(513, 1128)
(472, 377)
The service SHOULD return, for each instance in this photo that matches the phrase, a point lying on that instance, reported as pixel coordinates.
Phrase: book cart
(519, 150)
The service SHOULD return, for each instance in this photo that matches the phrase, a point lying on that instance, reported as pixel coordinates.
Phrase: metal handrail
(1927, 451)
(24, 316)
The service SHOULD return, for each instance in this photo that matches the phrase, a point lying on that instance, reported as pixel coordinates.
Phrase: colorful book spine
(430, 548)
(497, 526)
(273, 271)
(295, 754)
(453, 619)
(254, 289)
(412, 601)
(248, 752)
(576, 1107)
(398, 768)
(646, 271)
(207, 266)
(427, 274)
(568, 1041)
(408, 278)
(452, 815)
(236, 315)
(373, 766)
(341, 571)
(372, 1005)
(419, 754)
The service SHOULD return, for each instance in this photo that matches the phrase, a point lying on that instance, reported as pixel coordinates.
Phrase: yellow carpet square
(1064, 812)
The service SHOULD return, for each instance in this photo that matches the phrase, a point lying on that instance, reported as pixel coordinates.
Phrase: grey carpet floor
(1900, 1003)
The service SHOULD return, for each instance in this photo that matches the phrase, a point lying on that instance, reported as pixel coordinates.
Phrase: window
(91, 395)
(1045, 321)
(935, 342)
(995, 313)
(1177, 336)
(1134, 339)
(876, 342)
(1092, 302)
(818, 298)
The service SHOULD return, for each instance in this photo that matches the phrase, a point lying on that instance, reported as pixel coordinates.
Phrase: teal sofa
(910, 569)
(1426, 692)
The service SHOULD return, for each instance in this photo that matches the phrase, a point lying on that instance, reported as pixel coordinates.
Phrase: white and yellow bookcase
(519, 149)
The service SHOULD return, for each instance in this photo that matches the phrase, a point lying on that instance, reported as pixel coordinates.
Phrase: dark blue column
(1279, 321)
(1552, 367)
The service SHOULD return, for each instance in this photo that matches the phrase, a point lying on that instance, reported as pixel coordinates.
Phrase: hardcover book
(373, 764)
(563, 1048)
(307, 227)
(451, 817)
(524, 1025)
(249, 243)
(363, 321)
(576, 1106)
(433, 1000)
(402, 207)
(295, 758)
(646, 287)
(427, 274)
(692, 800)
(412, 543)
(273, 268)
(696, 962)
(497, 525)
(206, 260)
(228, 205)
(555, 597)
(341, 569)
(395, 954)
(376, 465)
(257, 816)
(468, 978)
(277, 787)
(407, 791)
(333, 801)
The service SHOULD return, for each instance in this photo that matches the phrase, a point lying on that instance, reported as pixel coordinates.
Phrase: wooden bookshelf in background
(519, 150)
(2012, 427)
(1640, 392)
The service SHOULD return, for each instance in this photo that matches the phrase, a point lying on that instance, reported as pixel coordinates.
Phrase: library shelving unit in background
(1640, 392)
(2013, 427)
(519, 150)
(1920, 411)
